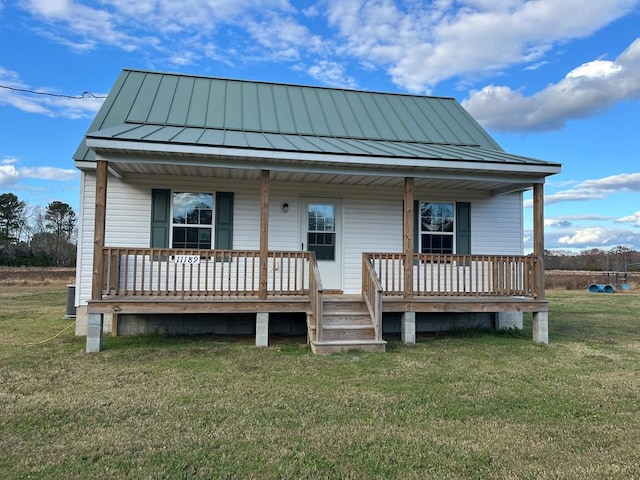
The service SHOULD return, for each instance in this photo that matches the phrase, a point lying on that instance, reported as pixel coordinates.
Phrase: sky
(549, 79)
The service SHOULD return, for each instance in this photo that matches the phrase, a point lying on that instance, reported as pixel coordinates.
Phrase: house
(208, 198)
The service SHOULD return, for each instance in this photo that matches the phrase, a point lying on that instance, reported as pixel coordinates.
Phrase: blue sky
(555, 80)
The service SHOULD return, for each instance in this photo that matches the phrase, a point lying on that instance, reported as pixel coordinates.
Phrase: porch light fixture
(285, 207)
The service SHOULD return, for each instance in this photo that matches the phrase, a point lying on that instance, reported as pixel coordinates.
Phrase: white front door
(321, 232)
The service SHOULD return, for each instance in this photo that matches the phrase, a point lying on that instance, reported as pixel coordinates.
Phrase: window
(436, 227)
(321, 232)
(192, 223)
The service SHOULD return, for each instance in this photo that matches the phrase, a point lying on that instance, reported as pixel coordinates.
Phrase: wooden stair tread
(347, 327)
(350, 342)
(347, 324)
(341, 346)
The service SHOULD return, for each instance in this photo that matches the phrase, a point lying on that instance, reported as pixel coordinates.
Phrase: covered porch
(164, 281)
(168, 281)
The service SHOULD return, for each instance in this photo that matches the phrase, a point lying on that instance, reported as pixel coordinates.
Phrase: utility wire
(76, 97)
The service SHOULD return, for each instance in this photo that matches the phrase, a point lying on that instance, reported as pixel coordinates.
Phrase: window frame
(452, 234)
(200, 226)
(321, 249)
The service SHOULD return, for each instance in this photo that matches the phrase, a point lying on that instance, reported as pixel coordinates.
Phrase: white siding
(84, 258)
(371, 218)
(496, 225)
(372, 223)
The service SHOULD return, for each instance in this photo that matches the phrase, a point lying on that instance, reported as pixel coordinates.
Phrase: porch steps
(346, 325)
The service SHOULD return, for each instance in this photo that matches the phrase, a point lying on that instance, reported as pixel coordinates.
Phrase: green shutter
(463, 228)
(160, 223)
(224, 221)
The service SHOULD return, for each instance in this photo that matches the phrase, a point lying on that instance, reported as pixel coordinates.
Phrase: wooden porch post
(540, 321)
(99, 229)
(264, 233)
(408, 237)
(538, 234)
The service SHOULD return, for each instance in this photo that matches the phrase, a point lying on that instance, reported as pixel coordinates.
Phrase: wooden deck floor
(287, 303)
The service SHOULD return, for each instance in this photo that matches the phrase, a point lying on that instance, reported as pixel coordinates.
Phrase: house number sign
(188, 259)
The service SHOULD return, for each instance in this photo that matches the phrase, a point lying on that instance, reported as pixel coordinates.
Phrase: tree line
(35, 236)
(617, 259)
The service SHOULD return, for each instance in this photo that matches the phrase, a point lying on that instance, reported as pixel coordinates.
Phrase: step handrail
(372, 294)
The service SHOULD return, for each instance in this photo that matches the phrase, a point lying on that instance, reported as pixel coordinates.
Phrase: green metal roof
(237, 139)
(183, 110)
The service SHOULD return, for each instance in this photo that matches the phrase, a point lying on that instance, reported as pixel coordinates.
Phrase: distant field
(580, 280)
(472, 405)
(36, 275)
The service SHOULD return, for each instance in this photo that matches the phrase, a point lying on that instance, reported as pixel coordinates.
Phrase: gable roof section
(189, 113)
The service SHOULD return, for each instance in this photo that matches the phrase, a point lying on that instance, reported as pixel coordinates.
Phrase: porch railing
(193, 273)
(459, 275)
(372, 294)
(315, 297)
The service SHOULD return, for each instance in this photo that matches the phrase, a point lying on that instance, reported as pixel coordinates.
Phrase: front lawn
(482, 405)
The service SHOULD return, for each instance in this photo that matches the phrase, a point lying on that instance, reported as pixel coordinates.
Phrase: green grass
(485, 405)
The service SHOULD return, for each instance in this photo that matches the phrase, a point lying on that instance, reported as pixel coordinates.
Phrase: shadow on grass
(287, 344)
(159, 340)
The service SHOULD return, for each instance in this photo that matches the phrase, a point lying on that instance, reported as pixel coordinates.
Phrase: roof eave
(150, 148)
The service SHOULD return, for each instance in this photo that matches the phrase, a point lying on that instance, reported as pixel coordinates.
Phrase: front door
(321, 233)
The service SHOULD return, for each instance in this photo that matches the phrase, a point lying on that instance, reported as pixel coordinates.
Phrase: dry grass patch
(582, 279)
(474, 405)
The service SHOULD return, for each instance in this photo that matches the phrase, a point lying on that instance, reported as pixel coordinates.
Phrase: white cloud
(10, 174)
(597, 237)
(51, 8)
(332, 74)
(160, 25)
(625, 182)
(595, 69)
(418, 43)
(79, 26)
(579, 238)
(283, 37)
(424, 43)
(557, 223)
(595, 189)
(588, 236)
(579, 232)
(586, 90)
(634, 219)
(50, 103)
(569, 220)
(49, 173)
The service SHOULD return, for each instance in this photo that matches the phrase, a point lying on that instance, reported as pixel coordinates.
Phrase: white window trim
(174, 225)
(420, 231)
